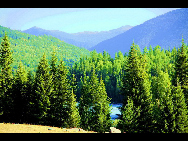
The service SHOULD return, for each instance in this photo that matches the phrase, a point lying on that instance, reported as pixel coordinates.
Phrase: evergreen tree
(101, 110)
(30, 118)
(130, 114)
(43, 89)
(94, 104)
(85, 103)
(136, 85)
(73, 118)
(6, 78)
(181, 69)
(20, 95)
(180, 110)
(164, 113)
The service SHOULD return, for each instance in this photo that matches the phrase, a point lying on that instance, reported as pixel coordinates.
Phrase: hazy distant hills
(82, 39)
(165, 30)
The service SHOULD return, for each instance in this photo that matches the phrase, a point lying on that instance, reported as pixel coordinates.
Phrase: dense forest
(152, 85)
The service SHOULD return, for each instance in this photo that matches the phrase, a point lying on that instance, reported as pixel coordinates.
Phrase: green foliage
(20, 95)
(129, 122)
(153, 85)
(94, 104)
(181, 69)
(105, 66)
(42, 89)
(165, 107)
(29, 49)
(6, 79)
(180, 110)
(136, 86)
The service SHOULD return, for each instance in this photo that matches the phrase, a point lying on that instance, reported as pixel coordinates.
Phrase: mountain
(165, 30)
(84, 39)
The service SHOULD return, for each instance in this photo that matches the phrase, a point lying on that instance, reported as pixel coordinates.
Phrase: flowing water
(115, 111)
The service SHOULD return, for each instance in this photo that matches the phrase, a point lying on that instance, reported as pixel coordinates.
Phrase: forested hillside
(29, 48)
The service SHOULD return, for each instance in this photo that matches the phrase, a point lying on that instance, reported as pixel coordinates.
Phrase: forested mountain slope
(165, 30)
(29, 48)
(84, 39)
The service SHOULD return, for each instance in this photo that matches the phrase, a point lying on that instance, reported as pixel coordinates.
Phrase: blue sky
(74, 20)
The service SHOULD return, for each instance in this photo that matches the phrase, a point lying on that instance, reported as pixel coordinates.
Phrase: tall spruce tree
(59, 96)
(164, 113)
(181, 69)
(136, 85)
(68, 107)
(101, 110)
(85, 103)
(73, 118)
(94, 104)
(43, 89)
(130, 114)
(6, 78)
(180, 110)
(20, 95)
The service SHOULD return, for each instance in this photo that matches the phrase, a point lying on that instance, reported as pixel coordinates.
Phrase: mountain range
(165, 30)
(84, 39)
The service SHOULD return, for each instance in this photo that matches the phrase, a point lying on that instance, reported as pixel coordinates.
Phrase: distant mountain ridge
(84, 39)
(165, 30)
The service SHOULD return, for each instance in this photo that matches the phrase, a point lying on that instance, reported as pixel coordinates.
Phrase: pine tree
(130, 114)
(30, 118)
(165, 109)
(43, 89)
(180, 110)
(181, 69)
(73, 118)
(6, 78)
(20, 95)
(85, 103)
(136, 85)
(101, 110)
(94, 104)
(58, 97)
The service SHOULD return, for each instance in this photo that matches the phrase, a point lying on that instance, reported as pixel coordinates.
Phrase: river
(115, 111)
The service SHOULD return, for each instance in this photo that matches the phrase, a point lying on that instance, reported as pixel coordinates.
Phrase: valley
(78, 80)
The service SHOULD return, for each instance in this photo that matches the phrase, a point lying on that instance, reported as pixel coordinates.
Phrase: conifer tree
(43, 89)
(20, 95)
(73, 118)
(165, 109)
(180, 110)
(58, 96)
(85, 103)
(136, 85)
(53, 96)
(94, 104)
(181, 69)
(6, 78)
(130, 114)
(30, 118)
(101, 110)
